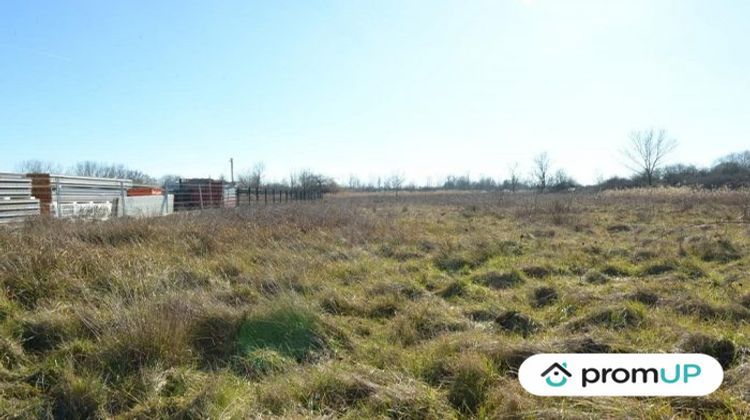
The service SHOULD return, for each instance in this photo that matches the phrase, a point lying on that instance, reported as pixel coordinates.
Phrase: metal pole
(122, 198)
(231, 169)
(200, 194)
(58, 210)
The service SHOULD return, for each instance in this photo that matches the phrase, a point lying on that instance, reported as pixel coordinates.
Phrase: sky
(424, 88)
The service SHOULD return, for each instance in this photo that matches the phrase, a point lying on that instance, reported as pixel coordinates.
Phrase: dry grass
(416, 306)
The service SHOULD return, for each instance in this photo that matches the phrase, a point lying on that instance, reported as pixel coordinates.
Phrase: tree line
(645, 154)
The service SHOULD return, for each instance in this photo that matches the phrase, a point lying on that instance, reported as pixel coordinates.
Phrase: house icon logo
(557, 374)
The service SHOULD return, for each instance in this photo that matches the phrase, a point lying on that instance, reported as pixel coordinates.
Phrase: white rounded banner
(628, 374)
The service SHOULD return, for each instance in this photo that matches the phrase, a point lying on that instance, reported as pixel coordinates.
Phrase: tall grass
(416, 306)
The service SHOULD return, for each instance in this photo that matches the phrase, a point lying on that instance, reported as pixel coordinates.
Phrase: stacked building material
(198, 193)
(16, 201)
(144, 191)
(230, 196)
(77, 196)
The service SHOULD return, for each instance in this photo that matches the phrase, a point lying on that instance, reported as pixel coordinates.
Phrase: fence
(16, 201)
(274, 195)
(65, 196)
(200, 194)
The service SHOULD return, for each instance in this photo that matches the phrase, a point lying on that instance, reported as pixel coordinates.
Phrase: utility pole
(231, 170)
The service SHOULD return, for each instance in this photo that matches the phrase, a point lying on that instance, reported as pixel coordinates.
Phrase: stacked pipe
(68, 196)
(16, 201)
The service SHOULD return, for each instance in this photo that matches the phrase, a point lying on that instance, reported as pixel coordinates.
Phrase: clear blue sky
(370, 87)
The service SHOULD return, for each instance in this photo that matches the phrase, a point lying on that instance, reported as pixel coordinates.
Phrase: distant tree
(169, 180)
(561, 181)
(514, 178)
(396, 181)
(647, 151)
(39, 167)
(253, 178)
(680, 174)
(741, 159)
(104, 170)
(354, 183)
(540, 171)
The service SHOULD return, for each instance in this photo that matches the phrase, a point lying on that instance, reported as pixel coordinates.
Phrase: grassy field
(416, 306)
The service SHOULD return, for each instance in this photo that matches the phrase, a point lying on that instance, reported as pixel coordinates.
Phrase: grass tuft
(284, 326)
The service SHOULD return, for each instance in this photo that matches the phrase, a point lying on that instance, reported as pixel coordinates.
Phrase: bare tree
(169, 180)
(104, 170)
(647, 151)
(354, 183)
(514, 178)
(541, 170)
(38, 167)
(254, 177)
(395, 181)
